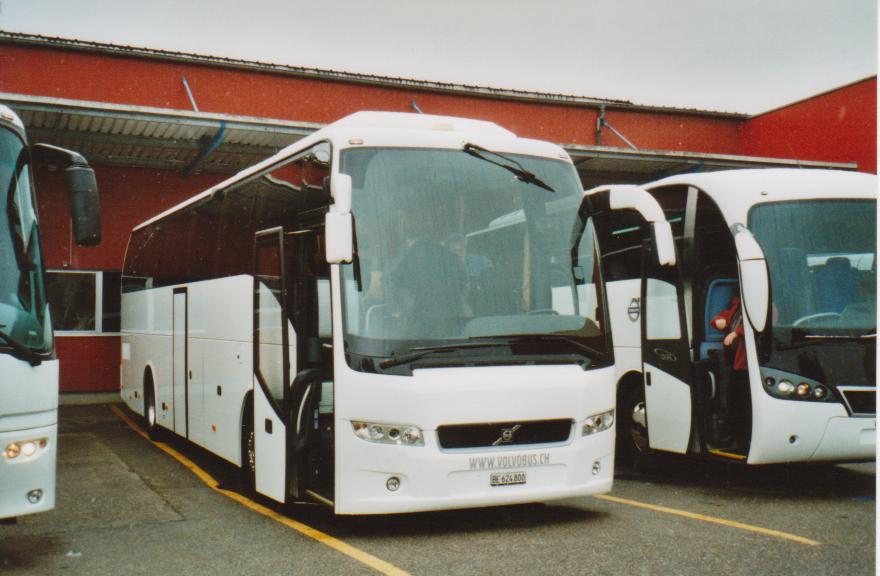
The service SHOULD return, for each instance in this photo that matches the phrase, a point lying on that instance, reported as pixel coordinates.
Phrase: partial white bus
(799, 248)
(28, 366)
(397, 313)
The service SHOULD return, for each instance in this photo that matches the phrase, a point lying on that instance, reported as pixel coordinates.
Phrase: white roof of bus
(736, 191)
(395, 129)
(7, 114)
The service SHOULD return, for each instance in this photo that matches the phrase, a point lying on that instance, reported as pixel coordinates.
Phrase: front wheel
(154, 431)
(632, 425)
(248, 469)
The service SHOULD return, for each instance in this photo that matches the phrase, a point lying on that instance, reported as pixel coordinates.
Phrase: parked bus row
(404, 312)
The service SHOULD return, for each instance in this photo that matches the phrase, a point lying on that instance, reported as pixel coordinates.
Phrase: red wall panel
(128, 196)
(136, 81)
(89, 364)
(839, 126)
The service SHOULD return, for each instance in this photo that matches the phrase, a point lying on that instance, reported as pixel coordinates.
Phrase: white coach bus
(798, 247)
(28, 366)
(399, 312)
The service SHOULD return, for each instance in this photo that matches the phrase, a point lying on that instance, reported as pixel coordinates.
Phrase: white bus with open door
(798, 249)
(397, 313)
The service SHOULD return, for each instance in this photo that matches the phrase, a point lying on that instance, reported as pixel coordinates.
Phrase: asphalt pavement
(128, 506)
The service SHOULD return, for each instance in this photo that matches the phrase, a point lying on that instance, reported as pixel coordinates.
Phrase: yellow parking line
(711, 519)
(338, 545)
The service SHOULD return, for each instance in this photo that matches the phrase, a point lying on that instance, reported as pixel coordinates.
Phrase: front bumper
(435, 479)
(21, 475)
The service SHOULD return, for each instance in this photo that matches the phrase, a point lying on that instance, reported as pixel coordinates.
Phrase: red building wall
(838, 126)
(145, 82)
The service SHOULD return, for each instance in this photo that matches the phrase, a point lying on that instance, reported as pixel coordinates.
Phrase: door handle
(647, 378)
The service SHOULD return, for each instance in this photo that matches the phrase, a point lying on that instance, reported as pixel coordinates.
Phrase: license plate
(507, 478)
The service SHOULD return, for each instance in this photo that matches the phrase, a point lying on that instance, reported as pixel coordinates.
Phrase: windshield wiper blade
(421, 351)
(517, 338)
(21, 350)
(513, 167)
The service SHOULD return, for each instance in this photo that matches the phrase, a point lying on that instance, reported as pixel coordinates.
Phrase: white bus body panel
(271, 448)
(220, 357)
(432, 478)
(28, 411)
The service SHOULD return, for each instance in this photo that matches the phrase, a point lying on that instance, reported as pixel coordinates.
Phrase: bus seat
(718, 295)
(835, 285)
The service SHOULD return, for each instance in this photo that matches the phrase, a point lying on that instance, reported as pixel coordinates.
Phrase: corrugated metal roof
(153, 137)
(172, 139)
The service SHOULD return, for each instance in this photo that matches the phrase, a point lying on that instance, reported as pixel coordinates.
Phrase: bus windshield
(822, 256)
(461, 259)
(24, 325)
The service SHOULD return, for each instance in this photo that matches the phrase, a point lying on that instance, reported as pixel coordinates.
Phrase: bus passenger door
(666, 361)
(180, 367)
(271, 365)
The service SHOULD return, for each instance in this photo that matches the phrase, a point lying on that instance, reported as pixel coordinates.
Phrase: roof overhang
(186, 141)
(145, 137)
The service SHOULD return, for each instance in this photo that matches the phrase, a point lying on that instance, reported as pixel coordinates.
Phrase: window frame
(98, 303)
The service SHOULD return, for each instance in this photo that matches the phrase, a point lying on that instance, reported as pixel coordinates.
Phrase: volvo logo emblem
(507, 435)
(634, 309)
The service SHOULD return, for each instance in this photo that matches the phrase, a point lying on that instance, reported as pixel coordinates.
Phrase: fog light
(34, 496)
(785, 387)
(392, 484)
(596, 468)
(803, 390)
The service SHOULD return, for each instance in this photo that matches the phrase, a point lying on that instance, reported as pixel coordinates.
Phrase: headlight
(598, 423)
(382, 433)
(24, 447)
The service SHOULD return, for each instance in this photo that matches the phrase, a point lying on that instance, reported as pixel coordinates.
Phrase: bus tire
(151, 415)
(632, 432)
(247, 470)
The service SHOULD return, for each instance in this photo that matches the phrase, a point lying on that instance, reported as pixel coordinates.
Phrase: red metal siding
(89, 364)
(124, 80)
(839, 126)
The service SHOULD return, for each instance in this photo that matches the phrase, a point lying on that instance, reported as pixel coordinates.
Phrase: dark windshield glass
(451, 248)
(822, 256)
(23, 311)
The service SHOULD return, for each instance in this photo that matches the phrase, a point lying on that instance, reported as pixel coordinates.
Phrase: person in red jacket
(733, 380)
(730, 320)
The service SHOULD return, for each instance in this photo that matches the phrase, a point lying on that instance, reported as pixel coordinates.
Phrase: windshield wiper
(511, 165)
(520, 338)
(21, 350)
(421, 351)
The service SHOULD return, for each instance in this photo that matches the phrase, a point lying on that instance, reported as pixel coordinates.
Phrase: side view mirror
(340, 190)
(339, 233)
(82, 190)
(754, 277)
(85, 212)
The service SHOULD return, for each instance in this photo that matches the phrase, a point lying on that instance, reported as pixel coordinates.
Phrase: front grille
(504, 433)
(861, 400)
